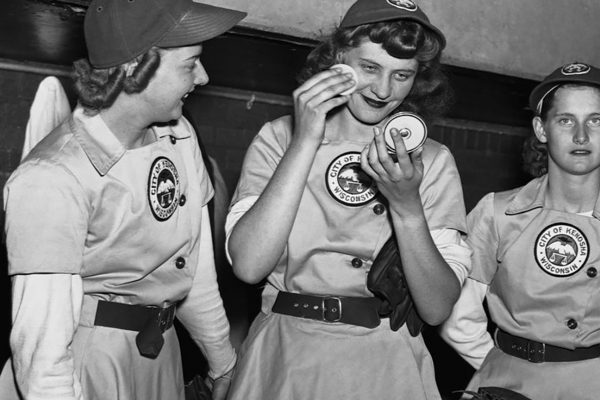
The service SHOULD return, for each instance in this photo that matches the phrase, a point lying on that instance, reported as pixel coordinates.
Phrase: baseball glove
(386, 280)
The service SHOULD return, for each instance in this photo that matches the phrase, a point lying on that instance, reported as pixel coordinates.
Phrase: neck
(573, 193)
(128, 126)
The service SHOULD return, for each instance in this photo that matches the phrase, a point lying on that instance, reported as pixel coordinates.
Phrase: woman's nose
(201, 77)
(381, 87)
(581, 135)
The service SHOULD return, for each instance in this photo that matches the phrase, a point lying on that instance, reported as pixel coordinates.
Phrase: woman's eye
(369, 68)
(401, 77)
(595, 121)
(564, 121)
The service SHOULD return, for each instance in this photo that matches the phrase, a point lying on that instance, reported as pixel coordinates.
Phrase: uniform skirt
(539, 381)
(110, 367)
(286, 357)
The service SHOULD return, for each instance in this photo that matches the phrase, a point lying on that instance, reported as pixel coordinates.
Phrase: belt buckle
(535, 352)
(325, 309)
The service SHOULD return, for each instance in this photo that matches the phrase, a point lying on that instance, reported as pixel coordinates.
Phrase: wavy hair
(430, 94)
(97, 89)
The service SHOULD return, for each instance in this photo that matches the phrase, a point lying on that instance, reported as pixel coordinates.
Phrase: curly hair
(97, 89)
(430, 94)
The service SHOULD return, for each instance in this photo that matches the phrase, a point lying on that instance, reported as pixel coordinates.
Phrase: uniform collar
(532, 195)
(100, 144)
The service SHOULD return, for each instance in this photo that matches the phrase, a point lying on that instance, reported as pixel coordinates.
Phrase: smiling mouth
(374, 103)
(581, 152)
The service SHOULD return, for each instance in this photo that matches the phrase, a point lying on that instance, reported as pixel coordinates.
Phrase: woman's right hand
(315, 98)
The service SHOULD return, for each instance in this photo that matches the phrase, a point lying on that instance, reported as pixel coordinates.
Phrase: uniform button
(379, 209)
(180, 262)
(572, 324)
(592, 272)
(173, 140)
(357, 262)
(182, 200)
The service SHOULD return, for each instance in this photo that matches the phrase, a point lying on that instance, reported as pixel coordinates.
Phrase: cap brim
(203, 22)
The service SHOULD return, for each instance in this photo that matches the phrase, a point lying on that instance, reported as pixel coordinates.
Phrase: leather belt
(538, 352)
(149, 321)
(360, 311)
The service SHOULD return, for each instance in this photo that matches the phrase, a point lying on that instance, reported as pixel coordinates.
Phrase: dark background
(252, 76)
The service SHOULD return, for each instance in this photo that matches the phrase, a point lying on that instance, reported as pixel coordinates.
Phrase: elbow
(245, 272)
(437, 318)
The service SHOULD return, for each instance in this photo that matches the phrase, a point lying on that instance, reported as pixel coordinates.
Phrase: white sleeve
(454, 250)
(235, 214)
(46, 310)
(202, 312)
(466, 327)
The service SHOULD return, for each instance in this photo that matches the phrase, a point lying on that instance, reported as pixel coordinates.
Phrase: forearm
(46, 311)
(432, 283)
(202, 312)
(259, 238)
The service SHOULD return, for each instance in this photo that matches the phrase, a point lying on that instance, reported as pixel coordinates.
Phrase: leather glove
(386, 280)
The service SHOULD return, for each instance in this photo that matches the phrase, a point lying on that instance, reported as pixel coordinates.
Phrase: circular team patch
(348, 183)
(163, 188)
(407, 5)
(561, 249)
(575, 69)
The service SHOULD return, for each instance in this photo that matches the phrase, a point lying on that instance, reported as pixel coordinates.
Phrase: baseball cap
(117, 31)
(575, 72)
(372, 11)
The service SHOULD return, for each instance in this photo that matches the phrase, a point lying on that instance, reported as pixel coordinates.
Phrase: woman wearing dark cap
(318, 197)
(106, 219)
(536, 255)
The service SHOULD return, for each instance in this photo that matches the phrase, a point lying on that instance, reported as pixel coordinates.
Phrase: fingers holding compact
(393, 177)
(316, 97)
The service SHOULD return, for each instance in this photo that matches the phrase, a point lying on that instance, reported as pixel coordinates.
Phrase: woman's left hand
(220, 386)
(398, 181)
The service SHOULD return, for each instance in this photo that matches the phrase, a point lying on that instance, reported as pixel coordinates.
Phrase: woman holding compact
(318, 197)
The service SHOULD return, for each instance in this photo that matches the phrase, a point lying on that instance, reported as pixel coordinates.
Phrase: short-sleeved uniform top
(340, 226)
(541, 267)
(128, 222)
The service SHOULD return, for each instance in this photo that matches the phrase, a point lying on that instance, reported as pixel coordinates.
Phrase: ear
(538, 128)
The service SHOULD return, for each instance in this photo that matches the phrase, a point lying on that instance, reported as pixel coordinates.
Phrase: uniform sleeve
(262, 158)
(441, 192)
(454, 250)
(46, 220)
(46, 310)
(483, 240)
(202, 312)
(465, 330)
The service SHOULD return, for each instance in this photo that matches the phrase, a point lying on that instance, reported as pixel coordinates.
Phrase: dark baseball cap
(372, 11)
(117, 31)
(575, 72)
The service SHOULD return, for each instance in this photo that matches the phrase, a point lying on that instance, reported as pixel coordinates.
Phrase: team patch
(561, 250)
(407, 5)
(163, 188)
(348, 183)
(575, 69)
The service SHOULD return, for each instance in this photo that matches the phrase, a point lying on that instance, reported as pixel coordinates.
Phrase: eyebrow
(413, 70)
